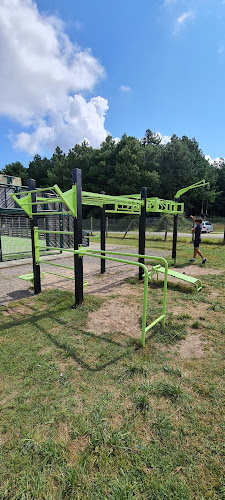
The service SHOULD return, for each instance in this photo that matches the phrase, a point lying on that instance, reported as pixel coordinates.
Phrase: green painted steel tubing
(60, 275)
(53, 264)
(45, 231)
(154, 322)
(94, 253)
(37, 190)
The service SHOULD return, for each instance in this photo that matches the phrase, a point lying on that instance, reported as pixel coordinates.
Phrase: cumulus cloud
(215, 161)
(164, 138)
(125, 88)
(43, 75)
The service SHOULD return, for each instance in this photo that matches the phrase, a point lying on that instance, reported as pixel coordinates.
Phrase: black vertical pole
(103, 228)
(78, 261)
(61, 227)
(34, 223)
(175, 225)
(142, 228)
(1, 258)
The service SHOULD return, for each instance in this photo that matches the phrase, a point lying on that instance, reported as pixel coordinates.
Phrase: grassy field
(98, 417)
(14, 247)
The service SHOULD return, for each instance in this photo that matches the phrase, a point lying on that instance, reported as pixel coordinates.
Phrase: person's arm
(192, 217)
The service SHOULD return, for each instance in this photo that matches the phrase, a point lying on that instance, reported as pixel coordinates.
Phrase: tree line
(125, 166)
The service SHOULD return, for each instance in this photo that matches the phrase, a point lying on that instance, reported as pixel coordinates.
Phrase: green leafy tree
(38, 170)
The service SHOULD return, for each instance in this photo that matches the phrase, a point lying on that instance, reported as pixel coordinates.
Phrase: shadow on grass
(72, 351)
(179, 287)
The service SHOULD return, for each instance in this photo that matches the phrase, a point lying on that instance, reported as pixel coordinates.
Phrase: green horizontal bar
(45, 231)
(51, 213)
(44, 201)
(53, 264)
(37, 190)
(154, 322)
(60, 275)
(132, 212)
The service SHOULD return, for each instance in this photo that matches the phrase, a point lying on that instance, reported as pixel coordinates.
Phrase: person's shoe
(204, 260)
(192, 260)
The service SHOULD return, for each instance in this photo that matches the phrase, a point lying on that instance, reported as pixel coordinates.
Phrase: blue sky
(74, 70)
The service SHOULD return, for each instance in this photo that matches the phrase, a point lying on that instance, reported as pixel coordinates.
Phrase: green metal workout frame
(73, 201)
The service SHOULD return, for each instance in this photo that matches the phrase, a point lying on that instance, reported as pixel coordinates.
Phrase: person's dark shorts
(197, 243)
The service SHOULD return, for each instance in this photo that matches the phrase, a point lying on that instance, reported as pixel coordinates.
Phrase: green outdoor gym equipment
(71, 203)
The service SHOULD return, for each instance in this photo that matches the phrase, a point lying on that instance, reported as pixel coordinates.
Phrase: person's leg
(199, 253)
(195, 252)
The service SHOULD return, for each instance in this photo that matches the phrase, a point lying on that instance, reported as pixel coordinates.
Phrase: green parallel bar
(96, 253)
(60, 275)
(146, 277)
(53, 264)
(45, 231)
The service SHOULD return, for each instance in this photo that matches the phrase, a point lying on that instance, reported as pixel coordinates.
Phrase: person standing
(197, 239)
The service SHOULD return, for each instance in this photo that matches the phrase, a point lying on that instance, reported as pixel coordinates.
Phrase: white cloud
(164, 138)
(181, 20)
(42, 77)
(215, 161)
(125, 88)
(184, 17)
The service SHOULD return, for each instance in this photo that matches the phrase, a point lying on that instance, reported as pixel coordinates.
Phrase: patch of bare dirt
(196, 270)
(116, 315)
(63, 433)
(214, 294)
(190, 347)
(182, 309)
(76, 447)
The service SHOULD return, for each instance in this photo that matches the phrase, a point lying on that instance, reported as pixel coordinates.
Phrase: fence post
(78, 261)
(34, 223)
(61, 227)
(103, 227)
(142, 228)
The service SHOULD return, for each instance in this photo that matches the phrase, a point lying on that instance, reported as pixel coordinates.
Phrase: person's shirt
(198, 231)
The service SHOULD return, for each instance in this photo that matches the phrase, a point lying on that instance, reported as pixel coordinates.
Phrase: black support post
(142, 228)
(34, 223)
(78, 261)
(175, 226)
(103, 229)
(1, 258)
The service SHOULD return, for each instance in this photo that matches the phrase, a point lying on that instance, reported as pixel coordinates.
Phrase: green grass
(14, 247)
(85, 416)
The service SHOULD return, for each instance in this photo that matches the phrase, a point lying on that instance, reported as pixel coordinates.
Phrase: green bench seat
(190, 279)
